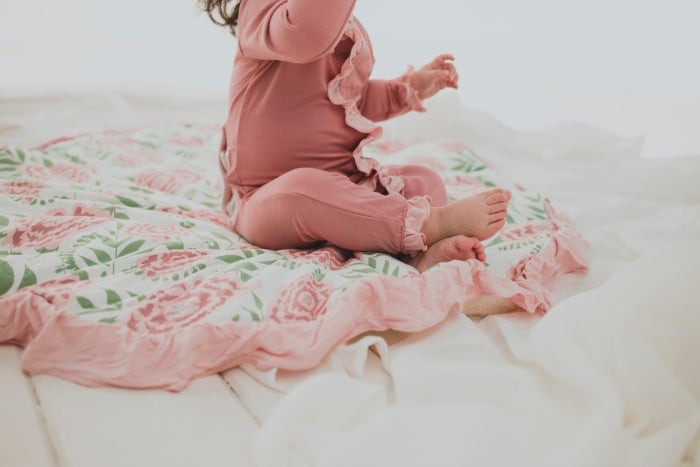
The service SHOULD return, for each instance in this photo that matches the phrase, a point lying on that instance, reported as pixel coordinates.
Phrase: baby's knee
(303, 181)
(426, 181)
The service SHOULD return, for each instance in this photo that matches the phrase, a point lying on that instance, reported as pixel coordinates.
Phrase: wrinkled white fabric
(609, 377)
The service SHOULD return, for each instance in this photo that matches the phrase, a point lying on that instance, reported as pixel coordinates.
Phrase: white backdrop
(627, 66)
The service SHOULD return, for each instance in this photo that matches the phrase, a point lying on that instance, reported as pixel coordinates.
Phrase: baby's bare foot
(458, 247)
(480, 216)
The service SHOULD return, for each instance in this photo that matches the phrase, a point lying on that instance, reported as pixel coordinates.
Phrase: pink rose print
(453, 146)
(72, 172)
(528, 230)
(168, 181)
(37, 171)
(62, 170)
(140, 157)
(182, 304)
(155, 231)
(388, 146)
(303, 300)
(188, 141)
(331, 257)
(60, 292)
(47, 232)
(80, 210)
(17, 187)
(167, 262)
(115, 139)
(215, 217)
(464, 181)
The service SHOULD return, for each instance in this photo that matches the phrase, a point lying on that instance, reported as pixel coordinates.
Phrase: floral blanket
(117, 266)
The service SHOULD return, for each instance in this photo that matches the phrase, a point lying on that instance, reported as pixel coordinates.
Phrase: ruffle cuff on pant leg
(417, 212)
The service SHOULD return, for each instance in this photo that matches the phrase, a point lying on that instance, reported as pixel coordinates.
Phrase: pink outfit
(302, 106)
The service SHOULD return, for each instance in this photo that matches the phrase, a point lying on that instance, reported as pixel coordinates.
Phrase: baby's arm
(382, 100)
(297, 31)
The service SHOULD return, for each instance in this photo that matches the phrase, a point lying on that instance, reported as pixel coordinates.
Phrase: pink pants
(306, 206)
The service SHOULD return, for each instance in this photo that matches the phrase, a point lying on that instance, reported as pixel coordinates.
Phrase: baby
(301, 108)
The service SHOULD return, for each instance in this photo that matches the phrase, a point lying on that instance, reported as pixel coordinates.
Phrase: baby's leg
(452, 248)
(307, 206)
(420, 181)
(480, 216)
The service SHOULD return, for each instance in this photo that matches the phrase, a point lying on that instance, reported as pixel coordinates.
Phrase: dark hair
(221, 12)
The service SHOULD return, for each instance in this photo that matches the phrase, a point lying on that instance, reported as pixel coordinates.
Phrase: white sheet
(609, 377)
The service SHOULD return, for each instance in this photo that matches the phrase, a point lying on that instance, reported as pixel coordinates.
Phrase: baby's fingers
(439, 61)
(453, 76)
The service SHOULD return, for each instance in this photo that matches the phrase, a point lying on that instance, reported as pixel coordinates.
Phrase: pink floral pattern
(72, 172)
(168, 262)
(60, 291)
(303, 300)
(388, 146)
(186, 140)
(138, 158)
(47, 232)
(216, 217)
(170, 181)
(102, 251)
(529, 230)
(80, 209)
(68, 171)
(453, 146)
(36, 171)
(331, 257)
(20, 187)
(463, 182)
(153, 231)
(182, 304)
(115, 139)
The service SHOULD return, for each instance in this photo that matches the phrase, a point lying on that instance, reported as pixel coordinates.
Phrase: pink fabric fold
(417, 213)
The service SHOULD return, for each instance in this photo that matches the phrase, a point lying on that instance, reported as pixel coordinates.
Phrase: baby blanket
(117, 266)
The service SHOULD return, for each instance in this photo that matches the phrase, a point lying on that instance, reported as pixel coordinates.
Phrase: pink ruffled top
(300, 96)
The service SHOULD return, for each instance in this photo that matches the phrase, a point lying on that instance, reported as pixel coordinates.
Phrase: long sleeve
(382, 99)
(297, 31)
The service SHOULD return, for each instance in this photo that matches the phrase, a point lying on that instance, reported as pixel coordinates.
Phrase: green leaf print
(102, 256)
(175, 245)
(229, 258)
(131, 248)
(85, 303)
(29, 278)
(128, 202)
(385, 269)
(258, 302)
(4, 221)
(112, 297)
(88, 261)
(7, 277)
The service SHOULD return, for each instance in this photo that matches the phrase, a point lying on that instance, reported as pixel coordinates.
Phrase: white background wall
(630, 66)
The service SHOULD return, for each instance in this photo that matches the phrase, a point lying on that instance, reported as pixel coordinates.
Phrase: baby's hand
(435, 76)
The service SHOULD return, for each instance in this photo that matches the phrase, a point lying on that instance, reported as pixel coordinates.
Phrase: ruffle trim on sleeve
(417, 212)
(412, 100)
(346, 90)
